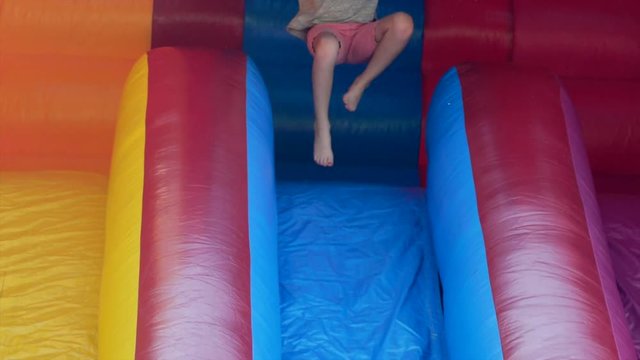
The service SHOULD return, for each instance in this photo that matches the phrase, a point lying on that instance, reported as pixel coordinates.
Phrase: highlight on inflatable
(158, 197)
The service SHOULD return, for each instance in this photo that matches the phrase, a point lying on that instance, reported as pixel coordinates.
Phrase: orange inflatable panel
(63, 65)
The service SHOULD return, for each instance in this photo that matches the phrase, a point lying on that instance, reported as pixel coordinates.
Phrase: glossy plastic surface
(357, 273)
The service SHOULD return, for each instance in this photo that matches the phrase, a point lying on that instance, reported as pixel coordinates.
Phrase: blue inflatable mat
(357, 273)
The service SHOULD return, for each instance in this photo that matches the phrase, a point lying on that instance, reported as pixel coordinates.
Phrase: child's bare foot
(322, 152)
(352, 97)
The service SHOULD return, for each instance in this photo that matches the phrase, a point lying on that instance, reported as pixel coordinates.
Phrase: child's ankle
(360, 83)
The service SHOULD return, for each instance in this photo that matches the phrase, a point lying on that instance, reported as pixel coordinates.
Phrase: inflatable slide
(158, 198)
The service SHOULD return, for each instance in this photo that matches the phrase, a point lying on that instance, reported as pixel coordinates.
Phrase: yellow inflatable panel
(51, 247)
(119, 294)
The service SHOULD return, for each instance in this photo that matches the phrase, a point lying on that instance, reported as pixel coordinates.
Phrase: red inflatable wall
(593, 45)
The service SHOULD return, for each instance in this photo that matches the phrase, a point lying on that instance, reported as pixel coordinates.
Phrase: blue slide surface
(357, 273)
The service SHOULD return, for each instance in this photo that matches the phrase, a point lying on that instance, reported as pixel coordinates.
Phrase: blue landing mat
(357, 273)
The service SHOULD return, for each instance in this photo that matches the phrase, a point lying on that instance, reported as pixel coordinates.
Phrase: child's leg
(326, 48)
(392, 34)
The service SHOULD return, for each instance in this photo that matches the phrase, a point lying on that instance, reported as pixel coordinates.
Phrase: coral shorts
(357, 41)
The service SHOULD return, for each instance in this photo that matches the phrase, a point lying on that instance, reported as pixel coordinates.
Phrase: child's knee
(326, 46)
(402, 25)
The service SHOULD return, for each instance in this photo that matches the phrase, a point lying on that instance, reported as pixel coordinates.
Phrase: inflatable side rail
(594, 42)
(525, 268)
(190, 267)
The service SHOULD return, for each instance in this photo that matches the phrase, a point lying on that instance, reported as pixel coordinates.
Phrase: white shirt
(313, 12)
